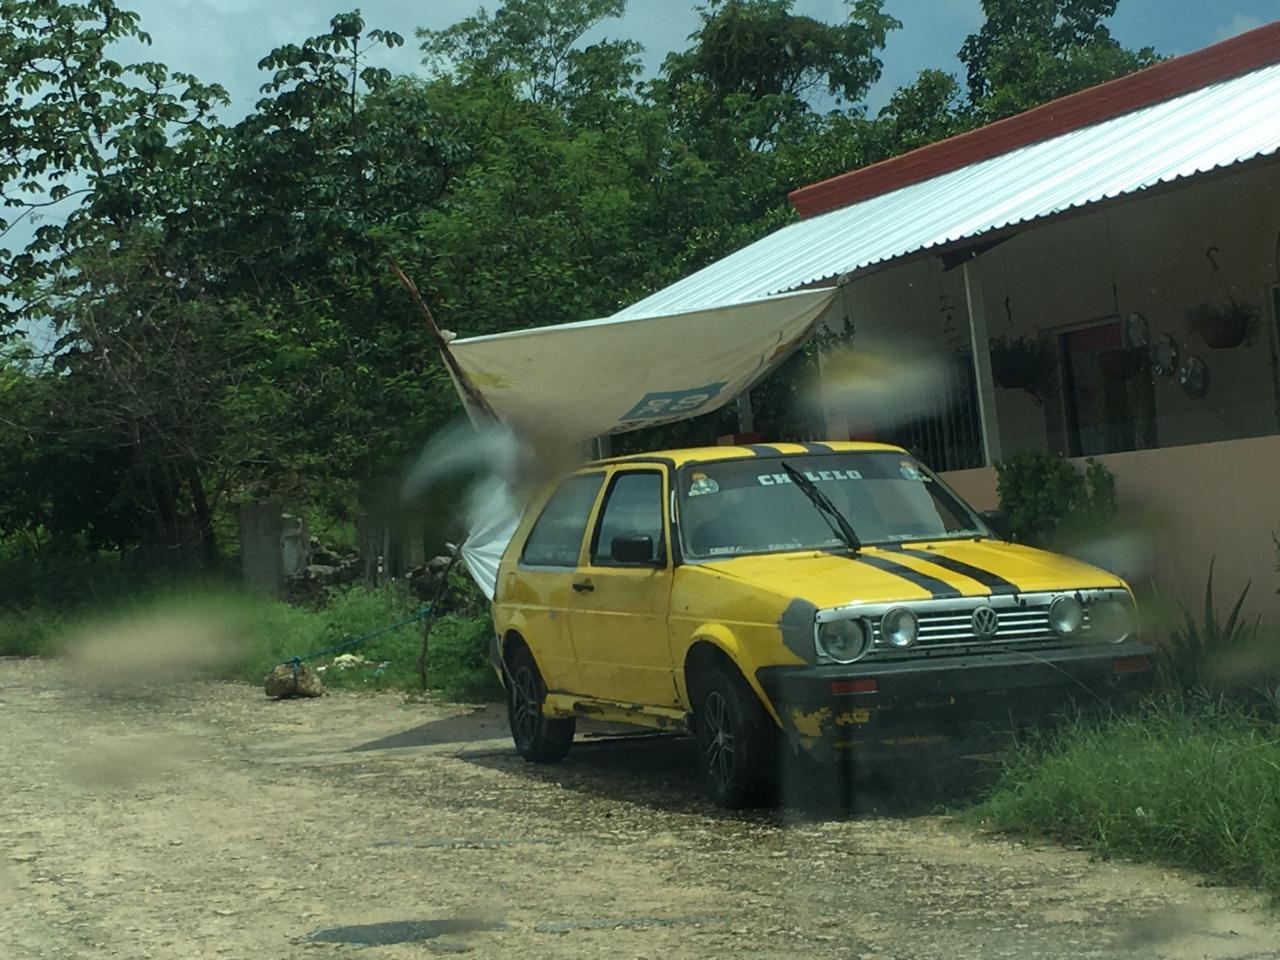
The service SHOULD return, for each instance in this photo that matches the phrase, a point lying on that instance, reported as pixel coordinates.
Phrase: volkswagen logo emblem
(985, 622)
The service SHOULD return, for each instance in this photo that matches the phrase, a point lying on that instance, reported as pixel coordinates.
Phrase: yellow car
(814, 597)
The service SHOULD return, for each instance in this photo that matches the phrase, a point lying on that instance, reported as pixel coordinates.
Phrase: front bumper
(941, 699)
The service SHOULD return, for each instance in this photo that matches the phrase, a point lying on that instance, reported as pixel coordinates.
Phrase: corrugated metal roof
(1221, 125)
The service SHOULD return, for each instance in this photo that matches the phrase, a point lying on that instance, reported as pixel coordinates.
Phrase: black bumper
(950, 698)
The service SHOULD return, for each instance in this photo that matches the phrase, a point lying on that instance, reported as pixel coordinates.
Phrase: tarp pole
(469, 390)
(981, 343)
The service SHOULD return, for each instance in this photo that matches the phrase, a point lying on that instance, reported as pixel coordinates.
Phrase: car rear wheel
(538, 738)
(736, 740)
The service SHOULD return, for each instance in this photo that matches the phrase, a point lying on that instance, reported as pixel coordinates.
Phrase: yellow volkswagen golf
(805, 597)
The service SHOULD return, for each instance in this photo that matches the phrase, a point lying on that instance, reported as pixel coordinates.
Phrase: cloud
(1238, 24)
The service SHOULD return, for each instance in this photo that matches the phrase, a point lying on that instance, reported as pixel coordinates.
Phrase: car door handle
(584, 586)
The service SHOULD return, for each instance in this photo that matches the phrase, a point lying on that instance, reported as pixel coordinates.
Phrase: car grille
(954, 627)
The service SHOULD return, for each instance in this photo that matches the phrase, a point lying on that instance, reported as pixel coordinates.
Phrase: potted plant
(1025, 363)
(1224, 323)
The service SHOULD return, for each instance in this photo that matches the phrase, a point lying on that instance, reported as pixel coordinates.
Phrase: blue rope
(348, 644)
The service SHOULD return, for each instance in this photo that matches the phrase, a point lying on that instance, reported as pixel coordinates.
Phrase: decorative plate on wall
(1135, 330)
(1194, 377)
(1164, 355)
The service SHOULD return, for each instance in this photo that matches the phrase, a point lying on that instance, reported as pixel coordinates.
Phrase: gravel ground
(207, 821)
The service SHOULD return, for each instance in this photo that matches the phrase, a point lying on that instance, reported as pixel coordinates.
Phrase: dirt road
(210, 822)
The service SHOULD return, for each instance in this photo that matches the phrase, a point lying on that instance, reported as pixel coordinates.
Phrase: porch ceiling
(1208, 129)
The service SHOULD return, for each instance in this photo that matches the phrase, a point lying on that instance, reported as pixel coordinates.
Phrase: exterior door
(619, 614)
(1109, 395)
(542, 587)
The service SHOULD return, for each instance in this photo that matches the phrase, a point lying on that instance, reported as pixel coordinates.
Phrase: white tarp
(583, 380)
(608, 376)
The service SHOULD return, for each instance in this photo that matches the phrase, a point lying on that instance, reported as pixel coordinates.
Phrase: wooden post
(442, 588)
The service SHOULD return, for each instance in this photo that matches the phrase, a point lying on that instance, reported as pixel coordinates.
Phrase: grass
(32, 633)
(1190, 782)
(227, 635)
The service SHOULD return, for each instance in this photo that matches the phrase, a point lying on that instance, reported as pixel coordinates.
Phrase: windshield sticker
(910, 471)
(702, 484)
(817, 476)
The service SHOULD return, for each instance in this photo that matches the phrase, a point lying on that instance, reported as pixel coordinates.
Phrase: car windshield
(752, 506)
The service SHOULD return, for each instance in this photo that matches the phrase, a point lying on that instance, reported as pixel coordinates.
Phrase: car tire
(737, 741)
(538, 738)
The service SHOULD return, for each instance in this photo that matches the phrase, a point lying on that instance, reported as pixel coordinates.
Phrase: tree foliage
(1030, 51)
(225, 325)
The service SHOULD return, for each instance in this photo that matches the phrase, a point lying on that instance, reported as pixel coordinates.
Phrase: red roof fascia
(1163, 81)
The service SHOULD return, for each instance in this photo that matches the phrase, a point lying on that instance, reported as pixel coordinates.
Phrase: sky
(222, 40)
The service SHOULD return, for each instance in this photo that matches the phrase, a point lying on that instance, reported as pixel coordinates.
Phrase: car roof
(688, 455)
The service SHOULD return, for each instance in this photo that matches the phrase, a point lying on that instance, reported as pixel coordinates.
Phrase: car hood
(915, 571)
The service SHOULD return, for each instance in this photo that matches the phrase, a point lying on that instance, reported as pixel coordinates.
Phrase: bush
(1049, 502)
(175, 633)
(31, 633)
(71, 577)
(457, 663)
(1191, 782)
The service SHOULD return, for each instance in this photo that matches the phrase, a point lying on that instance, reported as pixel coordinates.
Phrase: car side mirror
(633, 550)
(998, 521)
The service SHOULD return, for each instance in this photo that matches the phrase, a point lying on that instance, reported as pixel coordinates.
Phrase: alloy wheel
(526, 705)
(718, 746)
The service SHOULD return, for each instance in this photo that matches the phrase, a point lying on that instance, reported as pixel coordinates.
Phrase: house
(1099, 277)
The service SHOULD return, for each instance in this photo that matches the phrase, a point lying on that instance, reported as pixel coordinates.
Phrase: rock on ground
(293, 680)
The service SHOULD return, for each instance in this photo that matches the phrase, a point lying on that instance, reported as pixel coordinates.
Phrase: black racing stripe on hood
(938, 588)
(993, 582)
(760, 450)
(817, 448)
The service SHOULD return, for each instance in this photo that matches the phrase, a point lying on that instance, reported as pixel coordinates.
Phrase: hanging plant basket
(1225, 323)
(1025, 363)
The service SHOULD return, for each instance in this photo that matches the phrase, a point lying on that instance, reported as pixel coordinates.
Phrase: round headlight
(1066, 616)
(899, 627)
(843, 640)
(1110, 621)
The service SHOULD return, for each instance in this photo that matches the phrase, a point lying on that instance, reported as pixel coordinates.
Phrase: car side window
(632, 508)
(557, 534)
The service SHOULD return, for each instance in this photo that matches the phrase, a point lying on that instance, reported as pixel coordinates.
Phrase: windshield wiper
(836, 520)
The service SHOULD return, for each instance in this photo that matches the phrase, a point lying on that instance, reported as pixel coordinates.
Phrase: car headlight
(899, 627)
(1066, 616)
(843, 640)
(1110, 621)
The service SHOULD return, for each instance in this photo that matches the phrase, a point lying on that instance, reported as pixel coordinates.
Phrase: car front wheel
(736, 740)
(538, 738)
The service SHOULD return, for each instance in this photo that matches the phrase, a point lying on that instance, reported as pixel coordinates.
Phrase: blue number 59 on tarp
(673, 403)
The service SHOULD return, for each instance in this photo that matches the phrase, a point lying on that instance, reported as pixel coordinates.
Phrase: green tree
(1028, 52)
(81, 134)
(339, 379)
(536, 45)
(759, 65)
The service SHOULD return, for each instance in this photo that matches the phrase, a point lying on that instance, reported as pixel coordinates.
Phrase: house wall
(1149, 256)
(1195, 503)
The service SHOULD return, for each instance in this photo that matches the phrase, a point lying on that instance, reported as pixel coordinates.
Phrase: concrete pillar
(981, 342)
(260, 554)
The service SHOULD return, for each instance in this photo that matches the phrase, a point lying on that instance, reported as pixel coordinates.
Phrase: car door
(540, 587)
(619, 616)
